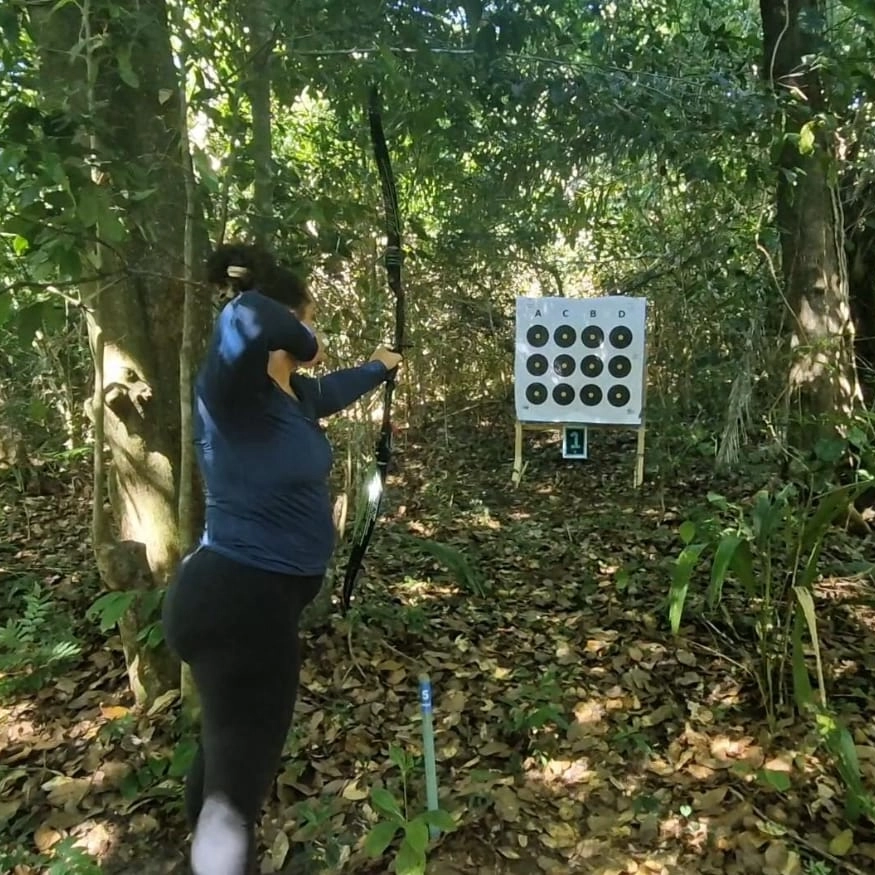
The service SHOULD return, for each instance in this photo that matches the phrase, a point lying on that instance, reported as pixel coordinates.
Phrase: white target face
(580, 360)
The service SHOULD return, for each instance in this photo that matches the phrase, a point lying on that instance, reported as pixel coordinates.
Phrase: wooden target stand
(565, 428)
(591, 350)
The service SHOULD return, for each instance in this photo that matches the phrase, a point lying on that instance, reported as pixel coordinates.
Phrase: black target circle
(592, 366)
(619, 366)
(591, 395)
(592, 336)
(563, 394)
(620, 337)
(618, 396)
(537, 335)
(564, 336)
(537, 365)
(564, 365)
(536, 393)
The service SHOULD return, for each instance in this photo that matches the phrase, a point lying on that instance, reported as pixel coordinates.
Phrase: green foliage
(467, 573)
(394, 819)
(65, 858)
(36, 642)
(317, 834)
(860, 800)
(770, 556)
(111, 607)
(536, 705)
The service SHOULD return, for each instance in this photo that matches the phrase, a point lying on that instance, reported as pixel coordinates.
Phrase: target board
(580, 360)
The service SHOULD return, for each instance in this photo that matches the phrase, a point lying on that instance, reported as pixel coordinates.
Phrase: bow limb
(366, 523)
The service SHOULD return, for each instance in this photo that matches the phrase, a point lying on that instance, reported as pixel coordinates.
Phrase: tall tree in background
(259, 81)
(823, 376)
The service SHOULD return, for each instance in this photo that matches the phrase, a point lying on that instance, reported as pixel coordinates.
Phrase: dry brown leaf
(45, 837)
(163, 702)
(114, 712)
(279, 850)
(658, 715)
(560, 835)
(64, 791)
(506, 804)
(684, 657)
(711, 799)
(353, 792)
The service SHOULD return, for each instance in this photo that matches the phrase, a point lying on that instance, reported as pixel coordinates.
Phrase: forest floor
(574, 733)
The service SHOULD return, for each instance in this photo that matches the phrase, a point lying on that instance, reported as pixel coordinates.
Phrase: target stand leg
(639, 457)
(518, 455)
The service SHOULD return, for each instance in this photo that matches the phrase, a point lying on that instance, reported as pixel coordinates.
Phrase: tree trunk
(134, 83)
(823, 385)
(859, 209)
(259, 90)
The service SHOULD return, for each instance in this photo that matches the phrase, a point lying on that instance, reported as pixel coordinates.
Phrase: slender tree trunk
(860, 230)
(823, 385)
(259, 90)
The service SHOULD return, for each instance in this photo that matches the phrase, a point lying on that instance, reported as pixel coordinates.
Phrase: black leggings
(237, 627)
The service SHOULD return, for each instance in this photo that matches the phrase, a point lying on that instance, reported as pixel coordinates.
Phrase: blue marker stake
(431, 788)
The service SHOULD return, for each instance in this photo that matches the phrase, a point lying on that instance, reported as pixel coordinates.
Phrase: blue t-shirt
(264, 458)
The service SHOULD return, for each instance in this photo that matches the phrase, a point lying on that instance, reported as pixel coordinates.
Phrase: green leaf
(29, 320)
(806, 139)
(54, 315)
(398, 757)
(111, 229)
(863, 8)
(37, 410)
(416, 832)
(850, 763)
(409, 861)
(88, 207)
(718, 500)
(841, 844)
(183, 754)
(687, 531)
(680, 583)
(742, 567)
(125, 70)
(443, 820)
(379, 838)
(829, 507)
(5, 307)
(829, 450)
(723, 556)
(858, 438)
(803, 695)
(384, 801)
(779, 781)
(111, 607)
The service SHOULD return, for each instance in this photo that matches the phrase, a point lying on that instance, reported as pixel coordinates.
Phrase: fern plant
(35, 640)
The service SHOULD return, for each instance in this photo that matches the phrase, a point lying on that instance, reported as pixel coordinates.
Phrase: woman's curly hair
(242, 267)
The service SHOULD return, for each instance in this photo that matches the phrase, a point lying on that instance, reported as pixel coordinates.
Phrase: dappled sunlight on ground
(574, 734)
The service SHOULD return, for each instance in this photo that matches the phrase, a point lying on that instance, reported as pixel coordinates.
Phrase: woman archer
(233, 610)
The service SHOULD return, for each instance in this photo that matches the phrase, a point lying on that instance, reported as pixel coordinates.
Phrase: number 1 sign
(574, 443)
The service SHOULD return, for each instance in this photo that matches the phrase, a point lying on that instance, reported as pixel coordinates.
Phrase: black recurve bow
(367, 521)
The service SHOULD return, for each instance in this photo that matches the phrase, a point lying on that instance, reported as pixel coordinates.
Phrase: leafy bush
(36, 641)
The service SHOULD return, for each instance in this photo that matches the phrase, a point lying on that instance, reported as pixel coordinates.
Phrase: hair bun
(237, 261)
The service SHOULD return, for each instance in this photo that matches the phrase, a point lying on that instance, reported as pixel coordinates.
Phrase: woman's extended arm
(336, 391)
